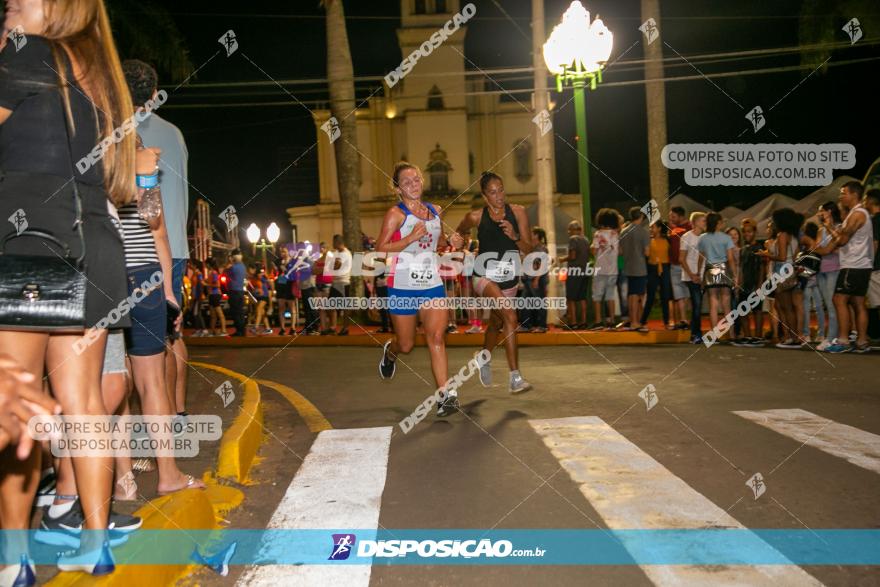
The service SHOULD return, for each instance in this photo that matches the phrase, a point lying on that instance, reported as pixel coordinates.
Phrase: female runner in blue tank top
(413, 230)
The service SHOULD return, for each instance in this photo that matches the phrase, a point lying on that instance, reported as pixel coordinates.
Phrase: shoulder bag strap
(77, 200)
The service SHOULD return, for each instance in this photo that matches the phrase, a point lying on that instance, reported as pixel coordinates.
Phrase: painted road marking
(630, 490)
(312, 416)
(338, 486)
(856, 446)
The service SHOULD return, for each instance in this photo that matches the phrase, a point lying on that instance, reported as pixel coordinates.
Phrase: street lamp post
(253, 235)
(576, 52)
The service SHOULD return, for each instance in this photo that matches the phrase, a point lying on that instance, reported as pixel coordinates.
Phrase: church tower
(430, 98)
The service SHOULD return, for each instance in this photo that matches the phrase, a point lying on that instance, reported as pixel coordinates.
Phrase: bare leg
(149, 379)
(861, 318)
(434, 323)
(76, 383)
(19, 479)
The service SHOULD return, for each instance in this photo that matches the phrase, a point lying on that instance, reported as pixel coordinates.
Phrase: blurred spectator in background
(578, 259)
(678, 225)
(635, 242)
(659, 274)
(536, 285)
(692, 272)
(605, 249)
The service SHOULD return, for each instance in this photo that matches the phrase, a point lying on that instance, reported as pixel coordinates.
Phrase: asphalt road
(580, 451)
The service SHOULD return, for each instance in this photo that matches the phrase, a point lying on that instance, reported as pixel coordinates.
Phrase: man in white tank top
(855, 243)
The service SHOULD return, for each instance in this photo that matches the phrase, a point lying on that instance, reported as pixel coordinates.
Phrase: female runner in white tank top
(413, 230)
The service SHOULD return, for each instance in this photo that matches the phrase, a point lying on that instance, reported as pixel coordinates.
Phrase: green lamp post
(576, 51)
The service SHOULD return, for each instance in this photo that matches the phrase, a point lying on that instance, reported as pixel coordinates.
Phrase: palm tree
(655, 100)
(821, 22)
(340, 77)
(146, 31)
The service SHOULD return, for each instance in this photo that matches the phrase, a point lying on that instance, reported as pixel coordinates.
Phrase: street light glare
(273, 233)
(577, 44)
(253, 233)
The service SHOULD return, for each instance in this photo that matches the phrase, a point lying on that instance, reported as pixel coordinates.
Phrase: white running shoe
(486, 373)
(20, 575)
(96, 562)
(518, 384)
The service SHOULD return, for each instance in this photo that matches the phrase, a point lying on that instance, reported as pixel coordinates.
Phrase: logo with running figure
(19, 39)
(426, 241)
(342, 546)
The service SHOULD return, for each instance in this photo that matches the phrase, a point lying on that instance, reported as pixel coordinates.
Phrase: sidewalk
(368, 336)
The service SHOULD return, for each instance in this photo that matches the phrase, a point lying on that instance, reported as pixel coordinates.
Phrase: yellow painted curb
(241, 442)
(312, 416)
(192, 509)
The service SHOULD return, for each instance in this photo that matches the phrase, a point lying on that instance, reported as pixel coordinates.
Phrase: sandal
(126, 488)
(191, 483)
(143, 465)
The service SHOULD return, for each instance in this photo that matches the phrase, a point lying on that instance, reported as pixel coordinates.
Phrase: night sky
(235, 152)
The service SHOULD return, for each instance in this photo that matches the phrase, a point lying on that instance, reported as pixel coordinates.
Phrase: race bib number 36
(499, 271)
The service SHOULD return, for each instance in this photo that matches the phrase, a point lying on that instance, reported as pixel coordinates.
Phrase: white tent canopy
(809, 204)
(762, 211)
(689, 204)
(730, 212)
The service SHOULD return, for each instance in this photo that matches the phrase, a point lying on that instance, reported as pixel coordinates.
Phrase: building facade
(432, 119)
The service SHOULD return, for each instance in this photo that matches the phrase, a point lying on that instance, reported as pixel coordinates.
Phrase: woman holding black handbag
(62, 93)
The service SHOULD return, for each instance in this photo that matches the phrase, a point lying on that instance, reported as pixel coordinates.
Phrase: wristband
(147, 181)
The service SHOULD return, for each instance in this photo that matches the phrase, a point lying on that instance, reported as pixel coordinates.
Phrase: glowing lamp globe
(253, 233)
(273, 233)
(577, 45)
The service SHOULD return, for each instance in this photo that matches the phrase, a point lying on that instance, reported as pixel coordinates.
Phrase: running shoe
(65, 529)
(447, 406)
(861, 348)
(789, 343)
(387, 365)
(46, 490)
(343, 332)
(696, 340)
(179, 422)
(486, 373)
(755, 342)
(518, 384)
(597, 327)
(20, 575)
(451, 329)
(96, 563)
(740, 342)
(474, 330)
(836, 347)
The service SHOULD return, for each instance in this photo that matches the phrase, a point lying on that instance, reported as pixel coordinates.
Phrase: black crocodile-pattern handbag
(45, 292)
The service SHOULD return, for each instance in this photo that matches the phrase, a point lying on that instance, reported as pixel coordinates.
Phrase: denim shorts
(604, 288)
(679, 287)
(178, 268)
(146, 337)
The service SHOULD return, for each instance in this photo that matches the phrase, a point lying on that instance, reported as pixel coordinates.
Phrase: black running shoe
(387, 365)
(46, 490)
(65, 530)
(447, 406)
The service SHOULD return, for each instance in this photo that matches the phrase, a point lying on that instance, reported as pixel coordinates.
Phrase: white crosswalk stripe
(631, 490)
(856, 446)
(339, 486)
